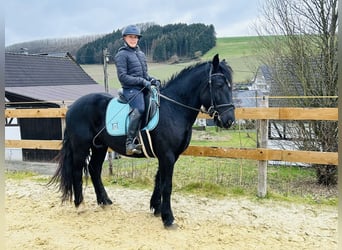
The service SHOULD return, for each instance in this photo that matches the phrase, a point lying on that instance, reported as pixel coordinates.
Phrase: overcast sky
(28, 20)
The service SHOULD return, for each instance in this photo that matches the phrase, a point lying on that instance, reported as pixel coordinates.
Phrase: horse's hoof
(173, 226)
(105, 202)
(104, 206)
(168, 222)
(77, 203)
(157, 212)
(109, 202)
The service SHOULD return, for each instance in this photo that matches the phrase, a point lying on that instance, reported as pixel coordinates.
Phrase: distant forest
(159, 43)
(52, 45)
(172, 42)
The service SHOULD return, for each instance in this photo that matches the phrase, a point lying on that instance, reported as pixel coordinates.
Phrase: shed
(44, 81)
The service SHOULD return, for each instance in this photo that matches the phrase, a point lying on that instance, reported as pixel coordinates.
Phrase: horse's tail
(63, 176)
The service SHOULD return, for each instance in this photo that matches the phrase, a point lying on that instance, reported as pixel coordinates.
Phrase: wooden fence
(259, 154)
(240, 113)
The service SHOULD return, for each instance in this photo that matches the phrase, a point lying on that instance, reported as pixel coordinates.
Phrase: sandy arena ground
(35, 219)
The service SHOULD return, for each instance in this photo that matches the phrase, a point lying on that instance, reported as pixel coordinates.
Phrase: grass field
(237, 51)
(219, 177)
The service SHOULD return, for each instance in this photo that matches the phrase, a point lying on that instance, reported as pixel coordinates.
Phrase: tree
(298, 41)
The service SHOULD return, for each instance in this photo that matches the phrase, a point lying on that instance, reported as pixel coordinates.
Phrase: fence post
(63, 120)
(262, 138)
(105, 74)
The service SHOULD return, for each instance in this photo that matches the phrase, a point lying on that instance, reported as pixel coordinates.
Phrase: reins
(180, 104)
(212, 110)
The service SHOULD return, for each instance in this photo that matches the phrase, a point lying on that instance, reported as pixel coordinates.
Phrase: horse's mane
(227, 70)
(183, 72)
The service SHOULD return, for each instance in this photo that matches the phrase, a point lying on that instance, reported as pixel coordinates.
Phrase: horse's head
(217, 96)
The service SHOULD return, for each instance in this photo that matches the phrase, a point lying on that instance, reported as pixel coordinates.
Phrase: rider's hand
(147, 85)
(156, 83)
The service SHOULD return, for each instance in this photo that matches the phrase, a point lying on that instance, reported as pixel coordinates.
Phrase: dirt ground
(35, 219)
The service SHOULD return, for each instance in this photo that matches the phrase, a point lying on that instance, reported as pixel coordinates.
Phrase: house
(263, 80)
(42, 81)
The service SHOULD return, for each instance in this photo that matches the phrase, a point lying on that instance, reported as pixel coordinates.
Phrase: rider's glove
(147, 85)
(156, 83)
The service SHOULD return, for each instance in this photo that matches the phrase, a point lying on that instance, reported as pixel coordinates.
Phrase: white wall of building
(13, 133)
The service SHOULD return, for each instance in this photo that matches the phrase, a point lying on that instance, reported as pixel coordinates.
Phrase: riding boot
(134, 123)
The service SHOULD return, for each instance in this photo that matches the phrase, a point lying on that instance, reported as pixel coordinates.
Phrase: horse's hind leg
(155, 202)
(79, 160)
(95, 168)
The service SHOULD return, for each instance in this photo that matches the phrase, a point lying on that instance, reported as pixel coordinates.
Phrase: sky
(29, 20)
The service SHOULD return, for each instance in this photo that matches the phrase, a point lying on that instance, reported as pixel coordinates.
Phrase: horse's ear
(216, 61)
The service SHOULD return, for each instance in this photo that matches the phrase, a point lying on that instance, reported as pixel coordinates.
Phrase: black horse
(204, 85)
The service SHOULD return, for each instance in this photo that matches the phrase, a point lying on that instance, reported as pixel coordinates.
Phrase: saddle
(118, 111)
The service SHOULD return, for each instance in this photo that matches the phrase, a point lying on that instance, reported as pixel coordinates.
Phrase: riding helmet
(131, 30)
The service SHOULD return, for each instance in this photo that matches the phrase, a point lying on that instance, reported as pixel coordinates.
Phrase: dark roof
(267, 73)
(48, 78)
(55, 94)
(23, 70)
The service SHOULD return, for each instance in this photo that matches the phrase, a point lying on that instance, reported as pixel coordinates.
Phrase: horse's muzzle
(223, 124)
(225, 119)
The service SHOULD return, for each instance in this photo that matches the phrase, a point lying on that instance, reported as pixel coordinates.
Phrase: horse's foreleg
(95, 169)
(155, 202)
(166, 173)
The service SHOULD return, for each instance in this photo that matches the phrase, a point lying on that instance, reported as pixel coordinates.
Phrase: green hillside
(240, 53)
(237, 51)
(233, 47)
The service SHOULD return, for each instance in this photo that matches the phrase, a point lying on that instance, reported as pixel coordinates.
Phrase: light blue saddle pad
(117, 118)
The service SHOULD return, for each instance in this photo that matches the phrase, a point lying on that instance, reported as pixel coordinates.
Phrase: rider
(131, 69)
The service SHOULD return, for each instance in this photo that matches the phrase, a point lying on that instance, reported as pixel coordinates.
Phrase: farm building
(265, 84)
(42, 81)
(286, 89)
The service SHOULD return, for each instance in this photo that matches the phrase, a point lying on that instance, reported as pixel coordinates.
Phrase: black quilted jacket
(131, 67)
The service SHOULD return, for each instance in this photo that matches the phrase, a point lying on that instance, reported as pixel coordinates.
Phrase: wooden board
(330, 158)
(330, 114)
(36, 113)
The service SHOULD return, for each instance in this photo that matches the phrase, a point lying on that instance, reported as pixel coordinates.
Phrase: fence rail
(328, 114)
(36, 113)
(259, 154)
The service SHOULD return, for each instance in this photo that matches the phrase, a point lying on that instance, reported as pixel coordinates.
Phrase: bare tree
(298, 41)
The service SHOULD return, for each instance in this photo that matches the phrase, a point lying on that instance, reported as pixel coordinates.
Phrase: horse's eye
(219, 84)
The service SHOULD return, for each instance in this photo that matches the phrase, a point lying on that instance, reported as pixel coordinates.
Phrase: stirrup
(133, 149)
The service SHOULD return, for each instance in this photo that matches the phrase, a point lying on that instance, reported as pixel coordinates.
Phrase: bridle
(213, 108)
